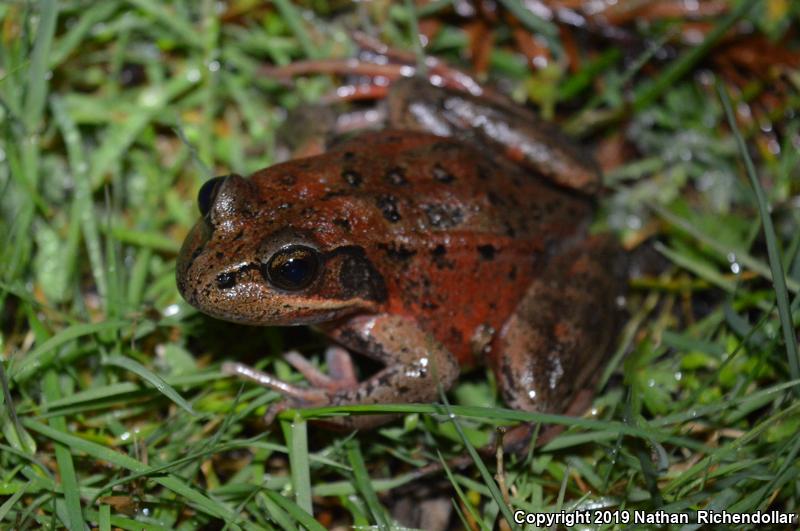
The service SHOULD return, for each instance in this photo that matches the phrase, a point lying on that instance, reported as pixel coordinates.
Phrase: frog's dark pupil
(293, 268)
(207, 193)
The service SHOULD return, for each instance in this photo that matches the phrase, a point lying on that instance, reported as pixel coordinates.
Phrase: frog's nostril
(207, 194)
(226, 280)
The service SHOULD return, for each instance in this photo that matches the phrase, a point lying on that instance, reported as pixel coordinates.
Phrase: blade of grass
(37, 74)
(162, 14)
(678, 68)
(76, 34)
(296, 24)
(197, 499)
(536, 24)
(296, 435)
(43, 355)
(280, 516)
(83, 195)
(495, 414)
(13, 431)
(413, 37)
(10, 502)
(129, 124)
(497, 496)
(775, 262)
(66, 467)
(364, 485)
(463, 497)
(742, 257)
(104, 518)
(145, 239)
(293, 509)
(153, 379)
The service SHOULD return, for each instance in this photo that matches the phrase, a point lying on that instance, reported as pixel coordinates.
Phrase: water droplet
(150, 98)
(633, 222)
(679, 376)
(213, 66)
(193, 75)
(407, 71)
(172, 309)
(651, 382)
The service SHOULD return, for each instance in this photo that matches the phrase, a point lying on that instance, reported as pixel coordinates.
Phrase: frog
(455, 235)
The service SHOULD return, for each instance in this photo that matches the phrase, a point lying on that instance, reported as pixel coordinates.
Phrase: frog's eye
(292, 268)
(207, 193)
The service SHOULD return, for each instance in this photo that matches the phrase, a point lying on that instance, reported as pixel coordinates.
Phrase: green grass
(114, 413)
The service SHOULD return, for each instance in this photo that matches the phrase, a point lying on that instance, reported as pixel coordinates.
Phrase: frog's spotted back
(423, 252)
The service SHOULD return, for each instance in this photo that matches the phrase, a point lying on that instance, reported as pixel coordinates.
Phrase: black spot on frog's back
(388, 206)
(343, 223)
(439, 257)
(395, 176)
(487, 251)
(443, 216)
(352, 177)
(397, 252)
(288, 179)
(442, 175)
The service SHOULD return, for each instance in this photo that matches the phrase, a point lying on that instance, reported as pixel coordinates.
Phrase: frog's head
(251, 259)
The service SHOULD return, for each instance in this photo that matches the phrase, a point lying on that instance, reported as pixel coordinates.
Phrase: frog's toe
(302, 396)
(340, 367)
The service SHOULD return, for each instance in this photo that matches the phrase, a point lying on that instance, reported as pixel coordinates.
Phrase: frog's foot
(341, 372)
(294, 396)
(300, 395)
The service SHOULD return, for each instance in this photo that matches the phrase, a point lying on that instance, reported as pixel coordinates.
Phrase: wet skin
(429, 253)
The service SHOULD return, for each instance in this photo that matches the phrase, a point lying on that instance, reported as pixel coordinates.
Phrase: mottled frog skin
(455, 237)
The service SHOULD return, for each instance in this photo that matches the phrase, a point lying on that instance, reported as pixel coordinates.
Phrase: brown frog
(455, 237)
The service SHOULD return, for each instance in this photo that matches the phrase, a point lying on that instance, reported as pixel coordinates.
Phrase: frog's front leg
(415, 363)
(553, 345)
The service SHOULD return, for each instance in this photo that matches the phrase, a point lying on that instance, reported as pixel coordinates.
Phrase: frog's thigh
(513, 130)
(562, 329)
(415, 362)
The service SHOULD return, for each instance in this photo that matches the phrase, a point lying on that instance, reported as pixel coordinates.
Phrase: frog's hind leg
(563, 328)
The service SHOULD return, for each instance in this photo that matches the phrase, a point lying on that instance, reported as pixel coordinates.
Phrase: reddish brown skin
(468, 270)
(430, 247)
